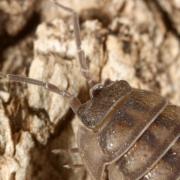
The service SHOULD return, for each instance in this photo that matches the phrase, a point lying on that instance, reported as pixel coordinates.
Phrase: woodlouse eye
(96, 90)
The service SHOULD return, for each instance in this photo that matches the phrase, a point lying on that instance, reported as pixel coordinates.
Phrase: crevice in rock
(30, 27)
(62, 125)
(95, 13)
(168, 22)
(13, 110)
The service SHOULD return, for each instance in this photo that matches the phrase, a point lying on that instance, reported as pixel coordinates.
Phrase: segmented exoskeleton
(133, 133)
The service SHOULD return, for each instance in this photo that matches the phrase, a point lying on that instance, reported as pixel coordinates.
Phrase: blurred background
(134, 40)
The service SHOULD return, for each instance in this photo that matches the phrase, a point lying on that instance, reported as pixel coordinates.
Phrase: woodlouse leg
(63, 152)
(71, 151)
(74, 101)
(80, 52)
(73, 166)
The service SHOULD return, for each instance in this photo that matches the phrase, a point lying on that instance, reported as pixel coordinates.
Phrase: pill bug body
(131, 133)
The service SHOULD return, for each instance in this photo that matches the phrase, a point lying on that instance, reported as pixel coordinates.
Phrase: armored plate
(128, 126)
(150, 148)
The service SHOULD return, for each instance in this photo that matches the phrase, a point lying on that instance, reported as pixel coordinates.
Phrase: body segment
(136, 133)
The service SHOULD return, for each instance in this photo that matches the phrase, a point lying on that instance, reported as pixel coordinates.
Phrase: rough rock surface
(138, 41)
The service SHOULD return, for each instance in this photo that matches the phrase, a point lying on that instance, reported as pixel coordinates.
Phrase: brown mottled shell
(132, 133)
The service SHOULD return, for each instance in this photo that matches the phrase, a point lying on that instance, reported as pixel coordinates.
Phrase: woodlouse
(131, 132)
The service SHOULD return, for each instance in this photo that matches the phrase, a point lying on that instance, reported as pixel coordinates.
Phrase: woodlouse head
(92, 112)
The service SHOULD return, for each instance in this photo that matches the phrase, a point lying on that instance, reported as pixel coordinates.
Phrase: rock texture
(138, 41)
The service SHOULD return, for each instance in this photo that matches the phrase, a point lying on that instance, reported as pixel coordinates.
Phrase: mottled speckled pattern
(94, 110)
(137, 138)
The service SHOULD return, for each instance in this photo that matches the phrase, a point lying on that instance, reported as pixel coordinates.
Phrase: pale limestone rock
(40, 129)
(172, 9)
(11, 164)
(55, 61)
(119, 65)
(4, 95)
(175, 83)
(8, 166)
(6, 141)
(23, 156)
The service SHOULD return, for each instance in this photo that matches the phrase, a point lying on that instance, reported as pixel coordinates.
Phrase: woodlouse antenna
(74, 101)
(46, 85)
(73, 166)
(80, 52)
(70, 151)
